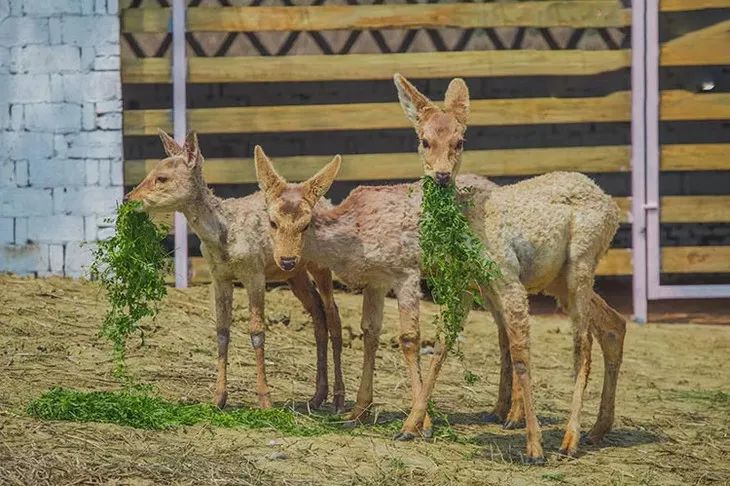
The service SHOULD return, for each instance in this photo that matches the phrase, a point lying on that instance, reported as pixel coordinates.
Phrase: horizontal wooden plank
(147, 70)
(374, 116)
(707, 46)
(617, 261)
(696, 259)
(707, 156)
(408, 166)
(595, 13)
(685, 5)
(261, 69)
(685, 209)
(695, 209)
(413, 65)
(147, 20)
(678, 105)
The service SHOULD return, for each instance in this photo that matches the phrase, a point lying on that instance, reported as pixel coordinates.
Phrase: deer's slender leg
(408, 296)
(304, 290)
(506, 397)
(223, 296)
(256, 288)
(609, 328)
(419, 411)
(372, 321)
(515, 308)
(323, 279)
(580, 292)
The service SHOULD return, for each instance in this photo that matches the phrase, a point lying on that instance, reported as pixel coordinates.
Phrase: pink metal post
(179, 105)
(638, 157)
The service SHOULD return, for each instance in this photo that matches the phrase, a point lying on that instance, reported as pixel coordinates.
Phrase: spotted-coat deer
(547, 235)
(234, 242)
(371, 241)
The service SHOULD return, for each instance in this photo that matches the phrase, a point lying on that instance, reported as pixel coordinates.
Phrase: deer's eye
(272, 224)
(162, 179)
(425, 143)
(459, 144)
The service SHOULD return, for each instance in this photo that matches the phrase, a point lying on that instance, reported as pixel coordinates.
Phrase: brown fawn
(371, 241)
(234, 243)
(547, 235)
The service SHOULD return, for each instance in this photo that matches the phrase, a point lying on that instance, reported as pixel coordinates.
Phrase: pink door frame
(646, 167)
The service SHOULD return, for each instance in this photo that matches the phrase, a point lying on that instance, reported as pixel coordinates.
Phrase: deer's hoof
(339, 403)
(534, 461)
(568, 452)
(427, 433)
(404, 436)
(316, 401)
(513, 424)
(265, 401)
(220, 399)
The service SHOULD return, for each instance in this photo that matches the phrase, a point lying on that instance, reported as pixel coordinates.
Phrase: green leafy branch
(455, 259)
(131, 266)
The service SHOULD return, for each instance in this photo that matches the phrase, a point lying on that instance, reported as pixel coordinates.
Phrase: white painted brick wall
(60, 132)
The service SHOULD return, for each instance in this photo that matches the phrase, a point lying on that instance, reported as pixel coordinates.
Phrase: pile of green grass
(138, 408)
(131, 266)
(455, 259)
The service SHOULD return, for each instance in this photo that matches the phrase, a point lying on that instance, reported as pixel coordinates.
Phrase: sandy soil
(672, 427)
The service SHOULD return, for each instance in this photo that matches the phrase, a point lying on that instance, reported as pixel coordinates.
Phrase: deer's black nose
(125, 198)
(443, 178)
(287, 263)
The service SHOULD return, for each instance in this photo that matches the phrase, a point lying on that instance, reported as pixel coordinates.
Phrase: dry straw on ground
(673, 408)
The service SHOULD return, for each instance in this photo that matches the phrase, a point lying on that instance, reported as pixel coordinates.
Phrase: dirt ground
(672, 424)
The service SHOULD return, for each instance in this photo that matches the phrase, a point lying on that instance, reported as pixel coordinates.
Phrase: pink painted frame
(646, 167)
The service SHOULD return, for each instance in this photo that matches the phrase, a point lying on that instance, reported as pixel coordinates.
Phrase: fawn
(235, 246)
(371, 241)
(547, 235)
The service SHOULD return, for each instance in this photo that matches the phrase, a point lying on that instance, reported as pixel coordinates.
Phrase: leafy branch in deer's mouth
(131, 266)
(454, 258)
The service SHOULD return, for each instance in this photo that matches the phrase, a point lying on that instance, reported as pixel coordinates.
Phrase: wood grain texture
(412, 65)
(707, 156)
(707, 46)
(686, 5)
(591, 13)
(372, 116)
(678, 105)
(262, 69)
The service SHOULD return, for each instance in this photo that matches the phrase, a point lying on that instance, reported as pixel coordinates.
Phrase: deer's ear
(456, 100)
(320, 183)
(411, 100)
(192, 154)
(269, 181)
(171, 147)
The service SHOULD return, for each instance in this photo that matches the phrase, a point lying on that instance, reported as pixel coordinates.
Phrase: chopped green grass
(455, 259)
(142, 410)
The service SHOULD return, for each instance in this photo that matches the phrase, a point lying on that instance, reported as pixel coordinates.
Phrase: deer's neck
(207, 219)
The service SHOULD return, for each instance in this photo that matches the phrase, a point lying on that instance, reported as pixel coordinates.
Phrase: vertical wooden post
(179, 108)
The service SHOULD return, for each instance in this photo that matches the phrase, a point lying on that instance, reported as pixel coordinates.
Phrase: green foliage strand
(131, 265)
(455, 259)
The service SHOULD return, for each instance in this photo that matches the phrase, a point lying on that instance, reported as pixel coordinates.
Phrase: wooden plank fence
(701, 47)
